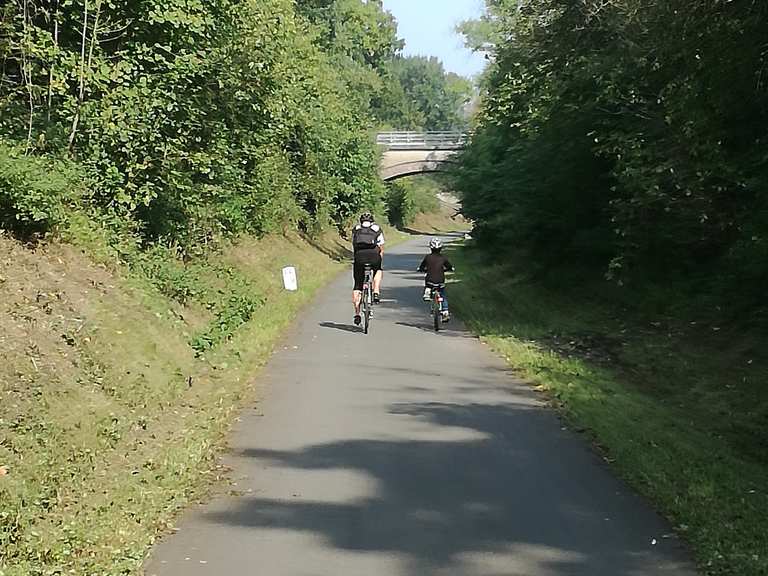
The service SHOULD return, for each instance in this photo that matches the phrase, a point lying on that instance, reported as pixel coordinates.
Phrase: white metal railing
(446, 140)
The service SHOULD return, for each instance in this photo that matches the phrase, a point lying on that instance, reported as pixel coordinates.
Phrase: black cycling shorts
(358, 268)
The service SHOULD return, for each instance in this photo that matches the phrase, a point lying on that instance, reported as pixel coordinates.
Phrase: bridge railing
(446, 140)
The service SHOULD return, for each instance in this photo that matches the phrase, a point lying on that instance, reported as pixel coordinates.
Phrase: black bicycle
(367, 303)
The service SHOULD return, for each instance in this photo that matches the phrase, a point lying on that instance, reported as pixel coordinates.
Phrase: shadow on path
(428, 326)
(342, 327)
(489, 488)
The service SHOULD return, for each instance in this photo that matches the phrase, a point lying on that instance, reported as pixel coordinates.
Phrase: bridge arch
(411, 153)
(394, 166)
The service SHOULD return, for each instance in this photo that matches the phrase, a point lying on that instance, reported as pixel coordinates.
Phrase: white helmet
(435, 244)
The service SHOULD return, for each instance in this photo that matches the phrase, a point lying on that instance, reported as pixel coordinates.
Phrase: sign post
(290, 281)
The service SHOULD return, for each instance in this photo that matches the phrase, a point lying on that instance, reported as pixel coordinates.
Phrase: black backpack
(365, 237)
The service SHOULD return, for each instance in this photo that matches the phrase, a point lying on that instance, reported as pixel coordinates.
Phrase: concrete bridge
(409, 153)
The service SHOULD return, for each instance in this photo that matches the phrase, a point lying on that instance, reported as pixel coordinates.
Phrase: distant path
(405, 453)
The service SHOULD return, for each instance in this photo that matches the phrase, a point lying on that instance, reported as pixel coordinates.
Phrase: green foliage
(400, 210)
(170, 276)
(35, 191)
(225, 292)
(360, 31)
(627, 134)
(406, 93)
(482, 34)
(408, 197)
(236, 311)
(198, 121)
(420, 95)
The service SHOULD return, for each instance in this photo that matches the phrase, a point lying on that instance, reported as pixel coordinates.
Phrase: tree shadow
(412, 311)
(478, 491)
(30, 236)
(342, 327)
(417, 276)
(338, 251)
(445, 328)
(453, 234)
(474, 487)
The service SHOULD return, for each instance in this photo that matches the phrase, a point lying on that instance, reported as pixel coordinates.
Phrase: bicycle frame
(367, 298)
(436, 305)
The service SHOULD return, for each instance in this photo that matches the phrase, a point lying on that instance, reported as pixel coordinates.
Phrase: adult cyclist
(368, 246)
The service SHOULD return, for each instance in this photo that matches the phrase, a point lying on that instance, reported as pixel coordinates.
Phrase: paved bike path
(410, 453)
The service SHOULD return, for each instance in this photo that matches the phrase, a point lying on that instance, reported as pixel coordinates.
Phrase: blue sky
(427, 26)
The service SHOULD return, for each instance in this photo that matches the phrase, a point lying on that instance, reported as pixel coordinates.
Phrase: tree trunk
(26, 69)
(81, 93)
(55, 54)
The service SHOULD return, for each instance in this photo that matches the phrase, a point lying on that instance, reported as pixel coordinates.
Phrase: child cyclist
(436, 265)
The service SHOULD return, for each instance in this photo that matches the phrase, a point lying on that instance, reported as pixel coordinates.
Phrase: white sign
(289, 279)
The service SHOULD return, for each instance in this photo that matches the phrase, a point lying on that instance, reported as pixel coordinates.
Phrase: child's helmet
(435, 244)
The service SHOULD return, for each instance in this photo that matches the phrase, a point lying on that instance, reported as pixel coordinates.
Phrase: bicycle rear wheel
(436, 313)
(366, 307)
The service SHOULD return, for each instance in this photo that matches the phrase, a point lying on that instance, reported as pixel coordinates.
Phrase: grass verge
(440, 222)
(680, 408)
(117, 388)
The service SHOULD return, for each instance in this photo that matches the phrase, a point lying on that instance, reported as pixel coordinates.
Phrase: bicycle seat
(433, 285)
(368, 267)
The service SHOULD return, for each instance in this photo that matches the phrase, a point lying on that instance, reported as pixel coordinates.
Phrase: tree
(192, 121)
(635, 110)
(421, 95)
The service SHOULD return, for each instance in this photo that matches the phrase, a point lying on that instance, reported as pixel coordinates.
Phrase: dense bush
(420, 95)
(408, 197)
(629, 135)
(195, 120)
(34, 191)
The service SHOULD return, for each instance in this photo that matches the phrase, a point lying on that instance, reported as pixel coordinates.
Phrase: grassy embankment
(417, 205)
(679, 407)
(440, 222)
(117, 387)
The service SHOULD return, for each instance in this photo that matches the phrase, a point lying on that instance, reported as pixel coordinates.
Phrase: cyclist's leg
(445, 298)
(377, 277)
(427, 292)
(444, 305)
(357, 290)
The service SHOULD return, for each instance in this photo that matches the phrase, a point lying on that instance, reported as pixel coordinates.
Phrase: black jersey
(435, 265)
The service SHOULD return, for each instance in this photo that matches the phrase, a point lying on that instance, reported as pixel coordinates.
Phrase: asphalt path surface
(409, 453)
